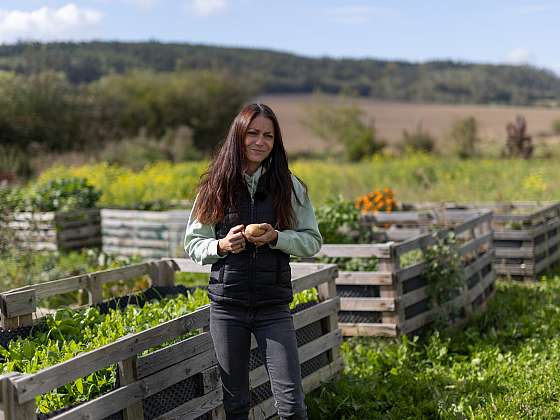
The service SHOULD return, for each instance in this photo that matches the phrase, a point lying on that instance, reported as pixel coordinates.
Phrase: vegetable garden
(445, 338)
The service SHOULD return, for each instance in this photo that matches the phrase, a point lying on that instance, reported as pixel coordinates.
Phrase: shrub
(556, 127)
(464, 135)
(343, 127)
(418, 141)
(63, 194)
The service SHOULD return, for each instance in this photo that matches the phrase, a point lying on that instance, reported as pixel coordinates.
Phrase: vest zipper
(252, 267)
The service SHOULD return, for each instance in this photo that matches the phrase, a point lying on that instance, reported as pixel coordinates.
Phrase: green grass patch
(504, 365)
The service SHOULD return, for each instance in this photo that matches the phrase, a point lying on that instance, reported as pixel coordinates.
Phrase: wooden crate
(393, 300)
(526, 244)
(57, 231)
(150, 234)
(145, 379)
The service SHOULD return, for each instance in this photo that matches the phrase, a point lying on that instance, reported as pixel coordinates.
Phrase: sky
(491, 31)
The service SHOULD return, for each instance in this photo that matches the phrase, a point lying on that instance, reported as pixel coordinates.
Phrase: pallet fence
(57, 231)
(393, 300)
(179, 381)
(150, 234)
(526, 235)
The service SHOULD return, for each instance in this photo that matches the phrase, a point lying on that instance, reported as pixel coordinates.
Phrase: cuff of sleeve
(213, 250)
(282, 243)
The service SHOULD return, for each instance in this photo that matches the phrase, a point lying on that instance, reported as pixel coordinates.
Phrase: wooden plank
(328, 272)
(122, 273)
(196, 407)
(421, 242)
(12, 409)
(179, 215)
(414, 296)
(373, 278)
(410, 272)
(473, 222)
(474, 244)
(60, 374)
(479, 263)
(135, 242)
(57, 287)
(316, 312)
(366, 329)
(18, 303)
(360, 251)
(80, 232)
(116, 400)
(367, 304)
(170, 355)
(186, 265)
(128, 375)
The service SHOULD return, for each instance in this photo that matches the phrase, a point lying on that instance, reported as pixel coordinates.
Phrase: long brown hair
(224, 177)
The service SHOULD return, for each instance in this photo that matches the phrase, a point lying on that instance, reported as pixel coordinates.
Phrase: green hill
(279, 72)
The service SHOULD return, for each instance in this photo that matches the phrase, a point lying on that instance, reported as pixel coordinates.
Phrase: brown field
(391, 118)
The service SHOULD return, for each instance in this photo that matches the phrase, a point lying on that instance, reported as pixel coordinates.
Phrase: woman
(249, 182)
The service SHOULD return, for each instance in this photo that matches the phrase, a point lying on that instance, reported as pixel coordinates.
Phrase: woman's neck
(251, 168)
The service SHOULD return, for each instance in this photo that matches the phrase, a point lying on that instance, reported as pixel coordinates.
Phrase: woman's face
(259, 140)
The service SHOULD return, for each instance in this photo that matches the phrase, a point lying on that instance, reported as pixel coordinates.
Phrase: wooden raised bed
(179, 381)
(150, 234)
(393, 300)
(526, 235)
(57, 231)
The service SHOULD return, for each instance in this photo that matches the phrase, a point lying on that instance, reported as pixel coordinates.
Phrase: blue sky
(514, 31)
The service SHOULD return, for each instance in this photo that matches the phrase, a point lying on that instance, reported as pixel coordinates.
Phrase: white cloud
(46, 23)
(520, 56)
(207, 7)
(355, 14)
(142, 4)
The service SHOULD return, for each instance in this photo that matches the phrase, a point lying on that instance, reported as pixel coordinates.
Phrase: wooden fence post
(13, 410)
(327, 290)
(17, 308)
(95, 291)
(128, 373)
(162, 273)
(393, 291)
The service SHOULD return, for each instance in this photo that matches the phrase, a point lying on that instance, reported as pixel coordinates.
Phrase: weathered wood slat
(122, 273)
(367, 304)
(327, 272)
(368, 330)
(196, 407)
(475, 244)
(32, 385)
(118, 399)
(362, 251)
(479, 263)
(374, 278)
(168, 356)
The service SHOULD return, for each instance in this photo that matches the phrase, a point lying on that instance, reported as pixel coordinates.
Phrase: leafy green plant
(464, 135)
(64, 194)
(444, 272)
(338, 220)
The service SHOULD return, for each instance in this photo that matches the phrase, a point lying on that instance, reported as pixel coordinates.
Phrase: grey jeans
(273, 327)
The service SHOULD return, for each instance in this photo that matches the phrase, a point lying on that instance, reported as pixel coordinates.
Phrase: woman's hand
(270, 236)
(234, 241)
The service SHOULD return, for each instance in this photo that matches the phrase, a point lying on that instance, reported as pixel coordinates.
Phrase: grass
(504, 365)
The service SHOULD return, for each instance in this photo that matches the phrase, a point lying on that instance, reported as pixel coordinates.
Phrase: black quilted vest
(256, 276)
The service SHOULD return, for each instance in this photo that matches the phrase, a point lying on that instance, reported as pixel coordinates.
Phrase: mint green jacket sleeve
(304, 240)
(200, 242)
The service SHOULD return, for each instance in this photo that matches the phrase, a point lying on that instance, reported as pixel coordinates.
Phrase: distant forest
(278, 72)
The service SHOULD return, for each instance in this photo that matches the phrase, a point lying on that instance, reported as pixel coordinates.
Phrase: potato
(254, 230)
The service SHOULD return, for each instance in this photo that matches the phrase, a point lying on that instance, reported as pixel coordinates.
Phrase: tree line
(277, 72)
(45, 110)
